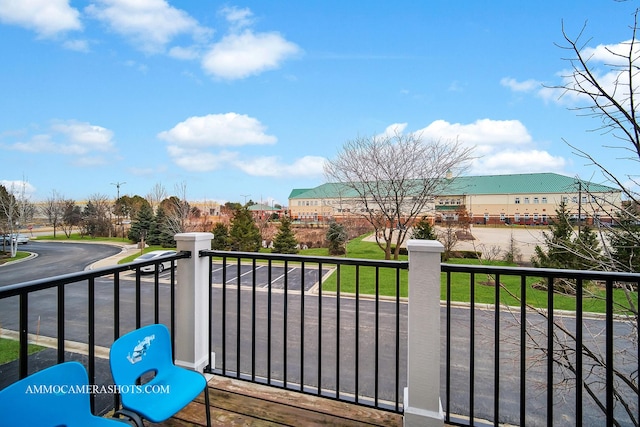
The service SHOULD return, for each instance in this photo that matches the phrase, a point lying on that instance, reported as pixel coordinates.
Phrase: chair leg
(131, 416)
(206, 405)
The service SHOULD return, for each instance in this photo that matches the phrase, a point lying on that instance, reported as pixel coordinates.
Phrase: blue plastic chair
(147, 351)
(56, 396)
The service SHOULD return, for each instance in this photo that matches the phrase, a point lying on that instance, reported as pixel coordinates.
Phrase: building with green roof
(513, 199)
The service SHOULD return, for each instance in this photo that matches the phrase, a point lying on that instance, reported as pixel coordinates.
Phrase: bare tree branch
(389, 180)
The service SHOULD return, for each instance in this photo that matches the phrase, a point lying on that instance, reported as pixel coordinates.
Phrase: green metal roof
(297, 191)
(528, 183)
(262, 207)
(328, 191)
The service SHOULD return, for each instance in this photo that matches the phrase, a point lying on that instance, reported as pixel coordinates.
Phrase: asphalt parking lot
(485, 238)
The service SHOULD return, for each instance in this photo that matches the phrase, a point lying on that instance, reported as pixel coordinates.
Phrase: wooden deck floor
(239, 403)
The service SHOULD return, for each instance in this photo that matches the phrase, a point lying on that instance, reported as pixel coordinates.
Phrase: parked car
(21, 239)
(155, 254)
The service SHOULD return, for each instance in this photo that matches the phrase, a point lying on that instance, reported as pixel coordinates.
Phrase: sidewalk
(127, 250)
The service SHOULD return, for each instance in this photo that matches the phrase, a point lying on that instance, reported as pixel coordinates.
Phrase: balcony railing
(541, 357)
(80, 315)
(305, 323)
(367, 332)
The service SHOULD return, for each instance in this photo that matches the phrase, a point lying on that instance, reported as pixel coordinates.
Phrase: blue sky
(248, 98)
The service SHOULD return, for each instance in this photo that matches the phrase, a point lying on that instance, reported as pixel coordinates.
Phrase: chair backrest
(55, 396)
(140, 351)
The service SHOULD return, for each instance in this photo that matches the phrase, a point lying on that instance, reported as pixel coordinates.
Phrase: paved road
(53, 259)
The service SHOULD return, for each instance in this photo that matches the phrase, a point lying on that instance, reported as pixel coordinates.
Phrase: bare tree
(448, 236)
(178, 211)
(389, 180)
(54, 209)
(605, 89)
(572, 356)
(15, 211)
(157, 194)
(71, 217)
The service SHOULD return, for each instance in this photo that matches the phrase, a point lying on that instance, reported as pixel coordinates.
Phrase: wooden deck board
(240, 403)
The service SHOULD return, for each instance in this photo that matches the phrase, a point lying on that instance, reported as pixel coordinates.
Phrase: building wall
(529, 209)
(539, 208)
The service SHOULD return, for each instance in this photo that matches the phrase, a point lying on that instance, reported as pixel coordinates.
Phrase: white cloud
(481, 132)
(37, 144)
(499, 146)
(524, 86)
(238, 56)
(238, 18)
(392, 130)
(522, 161)
(85, 137)
(197, 160)
(78, 138)
(230, 129)
(48, 18)
(307, 166)
(613, 54)
(608, 80)
(192, 146)
(18, 187)
(150, 24)
(604, 61)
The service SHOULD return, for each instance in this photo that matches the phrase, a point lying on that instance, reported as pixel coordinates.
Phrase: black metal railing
(81, 314)
(318, 325)
(540, 347)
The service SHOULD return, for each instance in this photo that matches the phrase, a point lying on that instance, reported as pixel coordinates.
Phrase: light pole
(118, 184)
(245, 198)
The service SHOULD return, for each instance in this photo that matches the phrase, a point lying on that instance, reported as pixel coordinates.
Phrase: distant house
(261, 211)
(527, 199)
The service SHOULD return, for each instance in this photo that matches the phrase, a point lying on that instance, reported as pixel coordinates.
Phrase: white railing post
(192, 302)
(422, 406)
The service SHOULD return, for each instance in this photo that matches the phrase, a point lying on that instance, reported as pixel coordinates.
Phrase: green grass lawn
(10, 350)
(511, 292)
(4, 256)
(484, 289)
(76, 237)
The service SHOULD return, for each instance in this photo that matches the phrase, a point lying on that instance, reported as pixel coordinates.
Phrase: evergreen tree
(337, 238)
(587, 251)
(625, 242)
(558, 243)
(220, 240)
(285, 241)
(567, 250)
(244, 235)
(142, 224)
(163, 232)
(424, 230)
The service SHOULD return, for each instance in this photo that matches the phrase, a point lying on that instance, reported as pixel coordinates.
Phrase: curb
(126, 250)
(31, 256)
